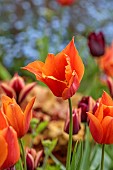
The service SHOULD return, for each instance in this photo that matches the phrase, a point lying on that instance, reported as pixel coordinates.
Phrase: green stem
(23, 154)
(68, 161)
(102, 158)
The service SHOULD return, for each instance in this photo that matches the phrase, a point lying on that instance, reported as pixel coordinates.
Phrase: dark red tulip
(76, 115)
(86, 104)
(66, 2)
(96, 43)
(33, 158)
(17, 88)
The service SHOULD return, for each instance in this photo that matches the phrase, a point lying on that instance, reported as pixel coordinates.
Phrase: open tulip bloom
(101, 122)
(61, 73)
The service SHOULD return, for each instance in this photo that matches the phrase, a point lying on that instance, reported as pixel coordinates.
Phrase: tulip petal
(95, 128)
(75, 60)
(8, 90)
(3, 121)
(3, 150)
(36, 68)
(73, 87)
(13, 147)
(55, 85)
(107, 125)
(28, 115)
(25, 91)
(55, 66)
(106, 99)
(99, 112)
(13, 114)
(15, 118)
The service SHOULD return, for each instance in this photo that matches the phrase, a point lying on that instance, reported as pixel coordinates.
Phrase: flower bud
(96, 43)
(33, 158)
(17, 83)
(86, 104)
(76, 116)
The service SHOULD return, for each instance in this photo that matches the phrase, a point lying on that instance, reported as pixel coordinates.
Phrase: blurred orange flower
(101, 123)
(61, 73)
(9, 150)
(16, 118)
(65, 2)
(106, 61)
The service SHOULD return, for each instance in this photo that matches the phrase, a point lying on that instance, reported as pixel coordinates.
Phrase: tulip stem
(23, 154)
(68, 161)
(102, 158)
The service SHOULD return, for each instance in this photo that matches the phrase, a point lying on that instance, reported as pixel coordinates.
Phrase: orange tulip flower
(106, 61)
(16, 118)
(101, 122)
(61, 73)
(9, 150)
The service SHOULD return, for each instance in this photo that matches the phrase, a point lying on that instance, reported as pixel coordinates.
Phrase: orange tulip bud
(61, 73)
(101, 122)
(9, 152)
(16, 118)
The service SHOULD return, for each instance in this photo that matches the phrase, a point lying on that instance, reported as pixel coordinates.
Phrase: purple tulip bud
(33, 158)
(17, 88)
(86, 104)
(30, 162)
(17, 83)
(8, 90)
(96, 43)
(76, 115)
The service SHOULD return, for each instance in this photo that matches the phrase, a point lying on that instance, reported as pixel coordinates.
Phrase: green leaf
(85, 163)
(41, 126)
(34, 122)
(18, 165)
(77, 156)
(74, 156)
(4, 74)
(50, 167)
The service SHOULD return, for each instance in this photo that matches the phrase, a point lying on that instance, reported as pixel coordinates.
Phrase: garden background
(31, 29)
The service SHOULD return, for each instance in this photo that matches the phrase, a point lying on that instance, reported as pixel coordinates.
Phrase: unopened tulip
(86, 104)
(16, 118)
(96, 43)
(9, 150)
(33, 158)
(17, 88)
(76, 116)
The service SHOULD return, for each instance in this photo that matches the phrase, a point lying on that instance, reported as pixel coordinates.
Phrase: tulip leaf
(4, 74)
(86, 153)
(77, 156)
(18, 165)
